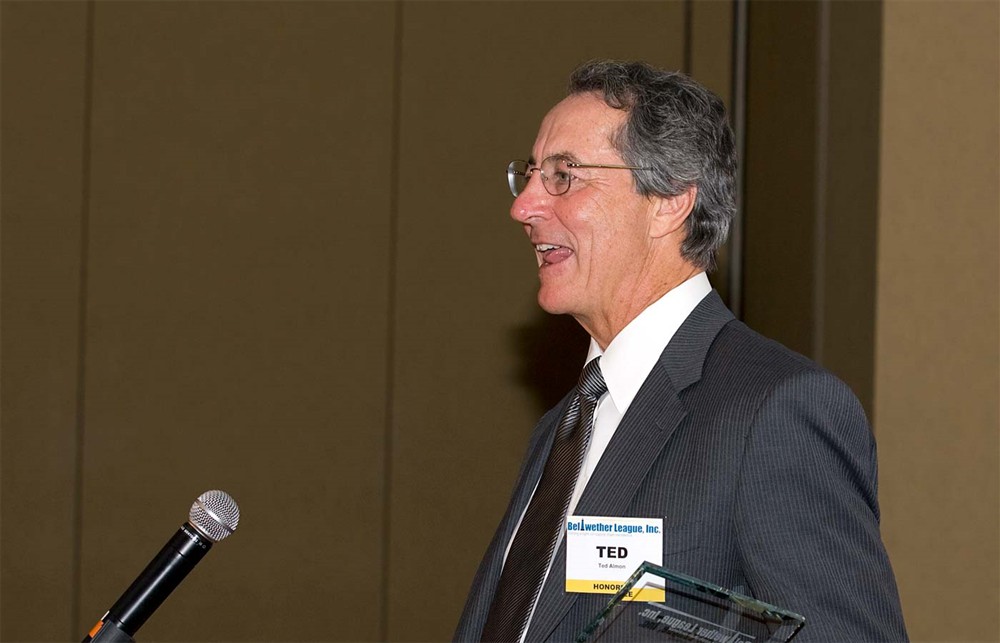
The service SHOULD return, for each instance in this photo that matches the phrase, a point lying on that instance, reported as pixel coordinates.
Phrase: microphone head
(215, 515)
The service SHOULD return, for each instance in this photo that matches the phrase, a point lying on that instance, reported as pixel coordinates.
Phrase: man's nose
(532, 203)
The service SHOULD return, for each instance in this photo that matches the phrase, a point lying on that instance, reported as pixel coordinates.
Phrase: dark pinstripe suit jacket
(762, 466)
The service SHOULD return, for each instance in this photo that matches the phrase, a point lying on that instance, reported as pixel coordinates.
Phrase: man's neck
(603, 328)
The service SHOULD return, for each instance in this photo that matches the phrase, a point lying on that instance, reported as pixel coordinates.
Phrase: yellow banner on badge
(655, 594)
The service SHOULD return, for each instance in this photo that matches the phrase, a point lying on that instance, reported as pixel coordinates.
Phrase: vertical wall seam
(741, 29)
(81, 337)
(390, 342)
(876, 212)
(822, 163)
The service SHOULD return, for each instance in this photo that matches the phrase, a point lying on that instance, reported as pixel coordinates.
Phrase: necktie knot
(591, 384)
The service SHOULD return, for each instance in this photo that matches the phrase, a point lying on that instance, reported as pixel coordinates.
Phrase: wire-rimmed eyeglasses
(555, 171)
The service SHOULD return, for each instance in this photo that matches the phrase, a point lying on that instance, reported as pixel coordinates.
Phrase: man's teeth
(542, 247)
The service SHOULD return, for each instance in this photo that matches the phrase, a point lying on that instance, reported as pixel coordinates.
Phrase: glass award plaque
(693, 610)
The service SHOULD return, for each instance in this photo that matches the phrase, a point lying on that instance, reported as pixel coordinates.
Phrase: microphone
(213, 516)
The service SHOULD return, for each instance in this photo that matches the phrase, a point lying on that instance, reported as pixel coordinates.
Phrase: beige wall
(264, 247)
(42, 203)
(231, 176)
(937, 383)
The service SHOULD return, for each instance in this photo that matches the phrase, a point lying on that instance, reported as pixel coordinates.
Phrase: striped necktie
(531, 551)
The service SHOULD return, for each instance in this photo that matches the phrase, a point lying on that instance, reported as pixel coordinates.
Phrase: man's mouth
(551, 253)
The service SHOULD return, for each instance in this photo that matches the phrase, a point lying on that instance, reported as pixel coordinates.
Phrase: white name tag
(602, 552)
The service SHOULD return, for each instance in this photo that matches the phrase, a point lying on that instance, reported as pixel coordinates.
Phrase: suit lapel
(650, 422)
(638, 441)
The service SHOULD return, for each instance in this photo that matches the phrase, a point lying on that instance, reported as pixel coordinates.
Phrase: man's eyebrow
(565, 156)
(562, 156)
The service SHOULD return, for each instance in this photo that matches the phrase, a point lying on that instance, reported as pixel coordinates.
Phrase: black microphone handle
(107, 632)
(167, 569)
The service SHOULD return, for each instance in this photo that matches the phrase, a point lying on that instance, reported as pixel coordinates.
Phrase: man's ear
(672, 211)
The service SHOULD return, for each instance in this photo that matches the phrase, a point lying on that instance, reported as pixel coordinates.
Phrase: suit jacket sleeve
(807, 517)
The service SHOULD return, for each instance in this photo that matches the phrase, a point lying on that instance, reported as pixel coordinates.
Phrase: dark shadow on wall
(551, 350)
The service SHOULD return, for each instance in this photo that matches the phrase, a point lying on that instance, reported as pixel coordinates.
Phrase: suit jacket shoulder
(761, 465)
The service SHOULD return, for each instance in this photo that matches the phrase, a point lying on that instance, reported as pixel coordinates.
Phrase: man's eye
(561, 176)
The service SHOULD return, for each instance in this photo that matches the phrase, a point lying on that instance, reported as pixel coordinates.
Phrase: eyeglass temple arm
(609, 167)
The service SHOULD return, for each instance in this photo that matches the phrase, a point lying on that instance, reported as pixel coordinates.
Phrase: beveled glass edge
(765, 610)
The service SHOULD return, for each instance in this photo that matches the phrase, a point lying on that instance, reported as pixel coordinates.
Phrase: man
(760, 464)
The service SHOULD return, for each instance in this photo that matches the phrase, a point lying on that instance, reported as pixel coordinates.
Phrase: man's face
(592, 243)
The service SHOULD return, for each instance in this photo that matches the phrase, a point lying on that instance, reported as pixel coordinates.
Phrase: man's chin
(552, 303)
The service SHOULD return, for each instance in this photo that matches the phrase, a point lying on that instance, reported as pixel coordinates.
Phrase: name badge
(602, 552)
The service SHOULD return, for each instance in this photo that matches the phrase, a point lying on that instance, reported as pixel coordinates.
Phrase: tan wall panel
(712, 46)
(811, 181)
(472, 350)
(937, 376)
(780, 170)
(43, 52)
(712, 65)
(844, 288)
(237, 312)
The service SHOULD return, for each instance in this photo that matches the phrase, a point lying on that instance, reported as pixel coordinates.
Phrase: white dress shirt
(626, 364)
(628, 361)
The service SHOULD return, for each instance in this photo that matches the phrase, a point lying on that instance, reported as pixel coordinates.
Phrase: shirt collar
(632, 353)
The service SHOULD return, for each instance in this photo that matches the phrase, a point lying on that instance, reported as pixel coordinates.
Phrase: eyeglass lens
(555, 176)
(517, 176)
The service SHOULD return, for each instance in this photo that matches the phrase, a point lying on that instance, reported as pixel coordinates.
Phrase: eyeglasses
(555, 171)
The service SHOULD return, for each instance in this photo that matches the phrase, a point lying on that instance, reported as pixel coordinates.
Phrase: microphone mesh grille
(215, 514)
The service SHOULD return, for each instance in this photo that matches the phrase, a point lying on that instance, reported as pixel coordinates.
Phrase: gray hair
(680, 130)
